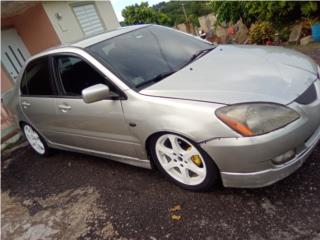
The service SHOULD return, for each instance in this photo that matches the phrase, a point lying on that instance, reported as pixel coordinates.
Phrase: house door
(13, 52)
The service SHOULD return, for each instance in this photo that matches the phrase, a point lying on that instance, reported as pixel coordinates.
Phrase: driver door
(98, 126)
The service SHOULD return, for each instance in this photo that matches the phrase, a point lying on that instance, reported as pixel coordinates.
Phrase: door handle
(25, 104)
(64, 108)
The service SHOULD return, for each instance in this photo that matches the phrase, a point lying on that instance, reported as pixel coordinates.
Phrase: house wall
(6, 83)
(107, 14)
(67, 27)
(34, 28)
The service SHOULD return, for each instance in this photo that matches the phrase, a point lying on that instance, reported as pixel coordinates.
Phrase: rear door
(37, 96)
(98, 126)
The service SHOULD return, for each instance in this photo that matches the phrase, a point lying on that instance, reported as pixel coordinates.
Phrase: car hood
(233, 74)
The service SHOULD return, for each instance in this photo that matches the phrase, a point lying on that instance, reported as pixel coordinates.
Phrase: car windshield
(149, 54)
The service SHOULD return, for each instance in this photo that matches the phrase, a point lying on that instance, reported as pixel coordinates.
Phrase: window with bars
(89, 19)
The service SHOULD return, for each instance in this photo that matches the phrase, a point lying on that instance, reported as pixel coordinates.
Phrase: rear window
(37, 80)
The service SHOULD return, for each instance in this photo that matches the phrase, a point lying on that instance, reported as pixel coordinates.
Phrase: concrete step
(10, 136)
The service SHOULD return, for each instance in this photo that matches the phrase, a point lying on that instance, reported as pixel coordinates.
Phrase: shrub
(261, 33)
(284, 34)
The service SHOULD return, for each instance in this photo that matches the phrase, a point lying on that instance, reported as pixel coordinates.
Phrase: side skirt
(144, 163)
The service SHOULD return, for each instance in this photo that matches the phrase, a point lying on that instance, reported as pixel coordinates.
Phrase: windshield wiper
(161, 76)
(155, 79)
(197, 55)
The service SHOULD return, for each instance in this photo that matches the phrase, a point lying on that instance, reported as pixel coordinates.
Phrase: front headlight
(256, 118)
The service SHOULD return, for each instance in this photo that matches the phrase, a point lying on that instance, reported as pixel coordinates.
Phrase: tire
(35, 140)
(183, 162)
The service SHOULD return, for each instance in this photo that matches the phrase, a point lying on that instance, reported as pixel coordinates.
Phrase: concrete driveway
(74, 196)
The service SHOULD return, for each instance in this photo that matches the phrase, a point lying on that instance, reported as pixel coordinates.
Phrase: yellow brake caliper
(195, 158)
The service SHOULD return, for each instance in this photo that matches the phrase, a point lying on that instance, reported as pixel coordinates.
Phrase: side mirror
(96, 93)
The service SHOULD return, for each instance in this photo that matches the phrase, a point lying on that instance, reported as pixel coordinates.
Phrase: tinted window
(76, 75)
(36, 79)
(141, 55)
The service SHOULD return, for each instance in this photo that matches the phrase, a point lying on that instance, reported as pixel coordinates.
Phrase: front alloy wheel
(184, 163)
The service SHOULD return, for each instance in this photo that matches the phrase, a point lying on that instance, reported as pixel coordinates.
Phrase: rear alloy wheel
(35, 140)
(184, 163)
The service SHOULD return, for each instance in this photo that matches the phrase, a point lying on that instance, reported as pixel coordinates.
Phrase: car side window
(75, 75)
(36, 80)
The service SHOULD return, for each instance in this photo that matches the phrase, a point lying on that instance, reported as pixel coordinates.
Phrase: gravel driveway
(75, 196)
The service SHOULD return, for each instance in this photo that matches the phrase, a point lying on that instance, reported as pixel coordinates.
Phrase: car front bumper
(246, 162)
(269, 173)
(270, 176)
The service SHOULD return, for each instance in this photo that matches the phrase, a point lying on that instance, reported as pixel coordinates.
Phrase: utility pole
(184, 12)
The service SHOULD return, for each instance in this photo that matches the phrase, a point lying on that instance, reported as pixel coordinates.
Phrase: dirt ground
(74, 196)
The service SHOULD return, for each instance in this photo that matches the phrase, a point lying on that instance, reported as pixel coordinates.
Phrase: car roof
(90, 40)
(107, 35)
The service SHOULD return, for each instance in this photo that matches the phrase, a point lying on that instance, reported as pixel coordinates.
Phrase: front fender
(192, 119)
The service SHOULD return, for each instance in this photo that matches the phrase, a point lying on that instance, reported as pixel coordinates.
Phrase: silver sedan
(151, 96)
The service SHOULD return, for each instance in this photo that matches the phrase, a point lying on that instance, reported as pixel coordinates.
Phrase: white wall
(107, 14)
(68, 28)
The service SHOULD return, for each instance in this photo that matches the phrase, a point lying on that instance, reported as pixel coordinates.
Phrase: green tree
(279, 13)
(228, 11)
(310, 9)
(194, 9)
(166, 13)
(142, 13)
